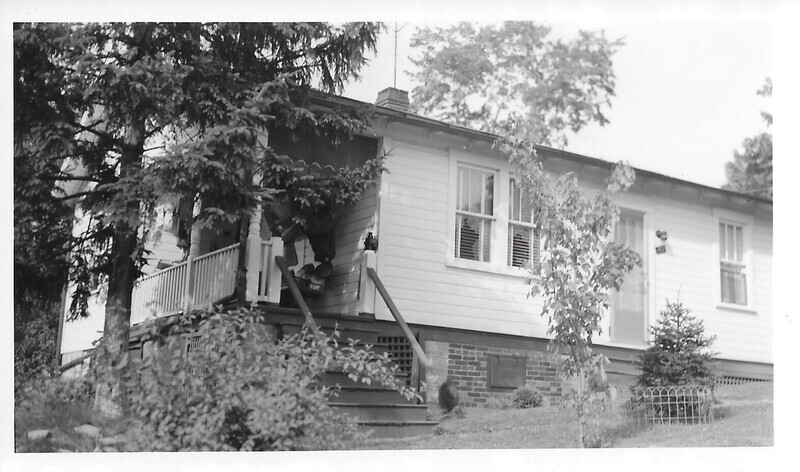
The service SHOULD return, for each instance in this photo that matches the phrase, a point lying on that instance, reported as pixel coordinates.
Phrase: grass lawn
(744, 418)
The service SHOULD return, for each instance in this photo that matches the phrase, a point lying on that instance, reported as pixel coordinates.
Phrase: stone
(111, 441)
(38, 434)
(88, 430)
(506, 371)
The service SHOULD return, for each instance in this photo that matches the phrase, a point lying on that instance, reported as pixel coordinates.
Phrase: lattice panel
(400, 351)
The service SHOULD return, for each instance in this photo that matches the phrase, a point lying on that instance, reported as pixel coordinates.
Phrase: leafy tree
(147, 113)
(679, 353)
(512, 79)
(751, 170)
(580, 264)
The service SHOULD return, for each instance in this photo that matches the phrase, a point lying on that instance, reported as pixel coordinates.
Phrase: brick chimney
(393, 98)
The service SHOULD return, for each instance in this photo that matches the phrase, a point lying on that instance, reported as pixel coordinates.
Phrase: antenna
(396, 30)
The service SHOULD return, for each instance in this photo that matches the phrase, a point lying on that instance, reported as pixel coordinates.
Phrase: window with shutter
(474, 213)
(523, 236)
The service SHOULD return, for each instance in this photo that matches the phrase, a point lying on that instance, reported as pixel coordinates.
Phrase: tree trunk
(581, 410)
(116, 329)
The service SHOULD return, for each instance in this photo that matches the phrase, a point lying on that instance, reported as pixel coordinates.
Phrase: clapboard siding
(341, 288)
(79, 334)
(412, 262)
(162, 244)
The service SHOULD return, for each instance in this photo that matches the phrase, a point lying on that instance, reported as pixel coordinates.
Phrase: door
(628, 305)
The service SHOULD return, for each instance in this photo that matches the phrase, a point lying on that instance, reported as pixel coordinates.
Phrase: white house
(452, 233)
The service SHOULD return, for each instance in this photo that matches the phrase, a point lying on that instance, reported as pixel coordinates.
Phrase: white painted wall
(429, 289)
(341, 288)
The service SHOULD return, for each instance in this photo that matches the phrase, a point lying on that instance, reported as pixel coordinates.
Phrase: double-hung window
(523, 237)
(732, 266)
(474, 213)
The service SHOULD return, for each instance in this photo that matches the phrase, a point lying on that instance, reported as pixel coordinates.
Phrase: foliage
(513, 79)
(57, 404)
(580, 264)
(448, 396)
(237, 388)
(116, 119)
(751, 170)
(679, 353)
(35, 330)
(524, 397)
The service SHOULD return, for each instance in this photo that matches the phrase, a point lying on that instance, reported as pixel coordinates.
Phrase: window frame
(498, 245)
(746, 223)
(536, 234)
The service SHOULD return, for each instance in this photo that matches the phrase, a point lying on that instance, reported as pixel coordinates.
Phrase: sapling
(580, 263)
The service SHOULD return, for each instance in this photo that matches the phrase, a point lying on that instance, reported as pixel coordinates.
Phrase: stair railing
(295, 291)
(423, 358)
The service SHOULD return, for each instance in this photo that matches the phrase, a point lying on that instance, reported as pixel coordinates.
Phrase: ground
(744, 417)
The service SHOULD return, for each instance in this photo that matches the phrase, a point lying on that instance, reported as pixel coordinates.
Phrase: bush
(680, 352)
(525, 397)
(238, 389)
(56, 404)
(448, 396)
(35, 329)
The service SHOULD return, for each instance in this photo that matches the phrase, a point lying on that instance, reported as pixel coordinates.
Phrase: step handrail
(400, 321)
(295, 291)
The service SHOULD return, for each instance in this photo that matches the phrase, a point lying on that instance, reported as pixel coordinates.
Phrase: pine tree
(680, 352)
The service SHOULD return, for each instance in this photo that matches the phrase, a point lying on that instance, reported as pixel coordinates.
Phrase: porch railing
(190, 284)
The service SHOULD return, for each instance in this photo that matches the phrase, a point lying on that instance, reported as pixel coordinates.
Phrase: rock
(88, 430)
(38, 434)
(111, 441)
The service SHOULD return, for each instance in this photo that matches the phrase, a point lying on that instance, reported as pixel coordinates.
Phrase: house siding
(413, 262)
(412, 259)
(341, 288)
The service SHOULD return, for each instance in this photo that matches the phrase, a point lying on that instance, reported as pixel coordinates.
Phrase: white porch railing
(196, 282)
(207, 279)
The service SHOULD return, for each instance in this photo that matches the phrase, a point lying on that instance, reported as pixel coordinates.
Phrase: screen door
(628, 305)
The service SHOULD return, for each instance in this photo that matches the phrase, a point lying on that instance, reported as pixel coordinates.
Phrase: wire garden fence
(688, 404)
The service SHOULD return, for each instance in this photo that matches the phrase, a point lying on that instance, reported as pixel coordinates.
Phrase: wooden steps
(377, 409)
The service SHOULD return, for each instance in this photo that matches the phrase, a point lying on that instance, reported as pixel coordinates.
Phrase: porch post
(194, 239)
(253, 253)
(366, 289)
(273, 272)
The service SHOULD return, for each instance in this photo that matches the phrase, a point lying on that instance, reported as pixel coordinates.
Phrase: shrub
(448, 396)
(679, 353)
(236, 388)
(35, 328)
(56, 404)
(525, 397)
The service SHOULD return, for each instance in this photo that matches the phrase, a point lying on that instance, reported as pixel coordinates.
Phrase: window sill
(740, 308)
(486, 267)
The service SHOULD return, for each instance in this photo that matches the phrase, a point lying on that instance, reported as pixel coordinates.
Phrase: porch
(210, 279)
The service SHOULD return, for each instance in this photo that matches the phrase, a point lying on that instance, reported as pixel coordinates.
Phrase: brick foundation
(467, 366)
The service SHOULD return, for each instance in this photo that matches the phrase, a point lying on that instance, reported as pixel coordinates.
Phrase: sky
(685, 94)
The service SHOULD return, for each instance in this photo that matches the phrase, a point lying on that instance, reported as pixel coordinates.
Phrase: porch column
(253, 254)
(194, 238)
(366, 289)
(272, 272)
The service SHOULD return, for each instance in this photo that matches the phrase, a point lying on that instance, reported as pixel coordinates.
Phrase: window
(523, 237)
(733, 277)
(474, 213)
